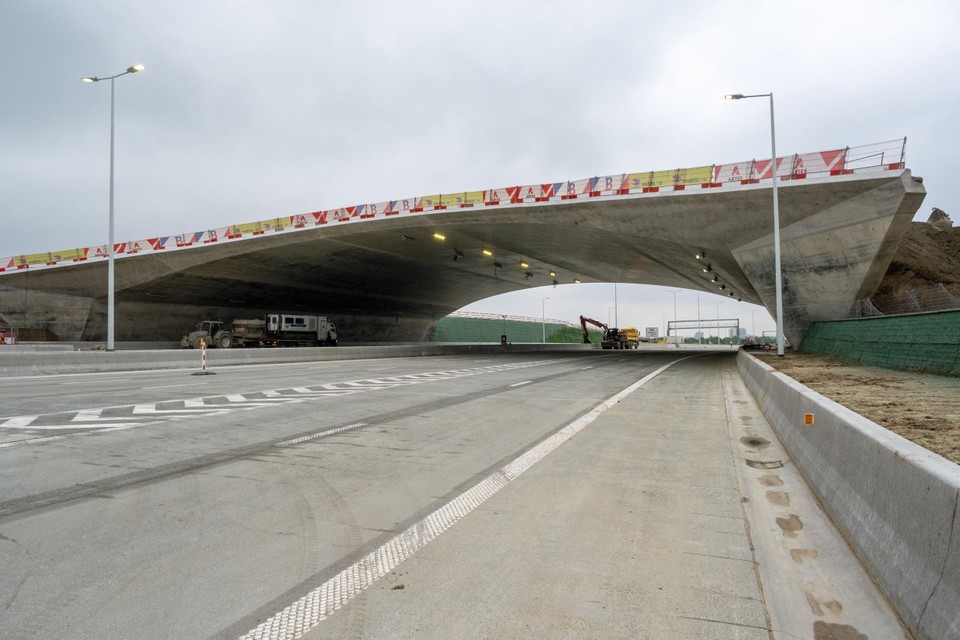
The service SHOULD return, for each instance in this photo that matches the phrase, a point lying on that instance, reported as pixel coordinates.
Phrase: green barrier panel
(489, 330)
(920, 342)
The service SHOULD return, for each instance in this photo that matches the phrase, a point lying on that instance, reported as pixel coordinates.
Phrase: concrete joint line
(943, 567)
(301, 616)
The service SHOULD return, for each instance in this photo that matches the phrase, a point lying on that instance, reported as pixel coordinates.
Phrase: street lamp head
(91, 79)
(734, 96)
(135, 68)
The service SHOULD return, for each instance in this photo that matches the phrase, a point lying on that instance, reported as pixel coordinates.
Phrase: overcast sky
(249, 110)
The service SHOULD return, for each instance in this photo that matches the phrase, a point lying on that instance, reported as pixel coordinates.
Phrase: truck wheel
(225, 341)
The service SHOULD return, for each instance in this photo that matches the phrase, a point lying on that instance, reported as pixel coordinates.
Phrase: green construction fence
(920, 342)
(453, 329)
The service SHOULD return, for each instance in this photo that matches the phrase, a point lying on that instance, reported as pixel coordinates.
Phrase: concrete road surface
(580, 495)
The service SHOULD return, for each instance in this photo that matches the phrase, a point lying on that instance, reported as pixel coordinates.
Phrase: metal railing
(915, 300)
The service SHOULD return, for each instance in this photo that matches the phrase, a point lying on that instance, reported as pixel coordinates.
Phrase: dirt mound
(928, 256)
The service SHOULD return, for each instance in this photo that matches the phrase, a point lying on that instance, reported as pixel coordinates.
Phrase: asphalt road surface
(563, 495)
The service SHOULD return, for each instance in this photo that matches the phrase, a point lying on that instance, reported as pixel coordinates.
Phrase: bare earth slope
(928, 256)
(920, 407)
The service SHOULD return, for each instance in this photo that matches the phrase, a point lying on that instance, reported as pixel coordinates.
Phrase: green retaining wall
(921, 342)
(487, 330)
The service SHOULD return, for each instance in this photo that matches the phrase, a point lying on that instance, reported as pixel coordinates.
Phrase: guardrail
(878, 156)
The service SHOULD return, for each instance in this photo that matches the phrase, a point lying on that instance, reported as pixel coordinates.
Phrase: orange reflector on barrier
(808, 419)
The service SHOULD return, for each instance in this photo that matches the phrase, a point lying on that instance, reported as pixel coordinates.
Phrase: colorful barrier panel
(882, 155)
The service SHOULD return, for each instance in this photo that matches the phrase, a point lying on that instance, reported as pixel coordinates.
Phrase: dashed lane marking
(314, 436)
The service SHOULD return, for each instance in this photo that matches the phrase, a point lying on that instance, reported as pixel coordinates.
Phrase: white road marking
(328, 432)
(19, 422)
(300, 617)
(144, 414)
(520, 384)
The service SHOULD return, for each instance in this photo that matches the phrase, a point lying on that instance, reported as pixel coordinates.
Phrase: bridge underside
(389, 279)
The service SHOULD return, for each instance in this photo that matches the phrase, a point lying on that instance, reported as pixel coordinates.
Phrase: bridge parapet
(883, 156)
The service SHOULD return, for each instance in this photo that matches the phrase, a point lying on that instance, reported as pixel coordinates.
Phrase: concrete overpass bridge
(388, 271)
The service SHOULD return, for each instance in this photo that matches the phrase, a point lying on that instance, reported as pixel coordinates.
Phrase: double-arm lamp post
(110, 280)
(776, 215)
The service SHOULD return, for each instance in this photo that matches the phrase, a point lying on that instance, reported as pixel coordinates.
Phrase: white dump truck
(274, 330)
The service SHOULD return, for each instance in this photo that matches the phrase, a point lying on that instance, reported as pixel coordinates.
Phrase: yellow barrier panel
(670, 178)
(69, 254)
(463, 197)
(247, 227)
(696, 175)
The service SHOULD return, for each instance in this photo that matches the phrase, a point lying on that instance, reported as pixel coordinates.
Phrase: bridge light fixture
(407, 238)
(111, 301)
(497, 265)
(723, 286)
(776, 215)
(488, 253)
(576, 281)
(524, 265)
(553, 274)
(439, 236)
(707, 268)
(701, 255)
(457, 254)
(715, 279)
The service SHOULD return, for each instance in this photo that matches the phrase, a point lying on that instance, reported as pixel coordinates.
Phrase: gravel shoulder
(922, 408)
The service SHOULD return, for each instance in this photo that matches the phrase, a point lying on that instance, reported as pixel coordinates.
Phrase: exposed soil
(927, 257)
(920, 407)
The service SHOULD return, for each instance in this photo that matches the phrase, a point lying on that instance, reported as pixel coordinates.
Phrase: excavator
(613, 338)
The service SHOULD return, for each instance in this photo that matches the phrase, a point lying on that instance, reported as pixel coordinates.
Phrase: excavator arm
(584, 321)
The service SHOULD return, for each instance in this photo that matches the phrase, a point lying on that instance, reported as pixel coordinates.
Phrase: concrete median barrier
(895, 502)
(23, 363)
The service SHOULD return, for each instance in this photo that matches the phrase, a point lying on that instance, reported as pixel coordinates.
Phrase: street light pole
(699, 328)
(776, 216)
(110, 272)
(718, 321)
(616, 320)
(543, 317)
(676, 336)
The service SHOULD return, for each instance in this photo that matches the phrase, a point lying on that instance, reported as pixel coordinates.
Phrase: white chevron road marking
(85, 421)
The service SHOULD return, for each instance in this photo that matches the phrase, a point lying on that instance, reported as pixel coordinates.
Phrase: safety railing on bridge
(882, 156)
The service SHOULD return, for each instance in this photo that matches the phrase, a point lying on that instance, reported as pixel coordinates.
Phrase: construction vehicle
(275, 330)
(613, 338)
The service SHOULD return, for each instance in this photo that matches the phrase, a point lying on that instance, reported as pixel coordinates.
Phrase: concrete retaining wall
(894, 501)
(923, 342)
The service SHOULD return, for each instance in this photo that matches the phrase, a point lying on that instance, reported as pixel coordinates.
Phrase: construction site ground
(922, 408)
